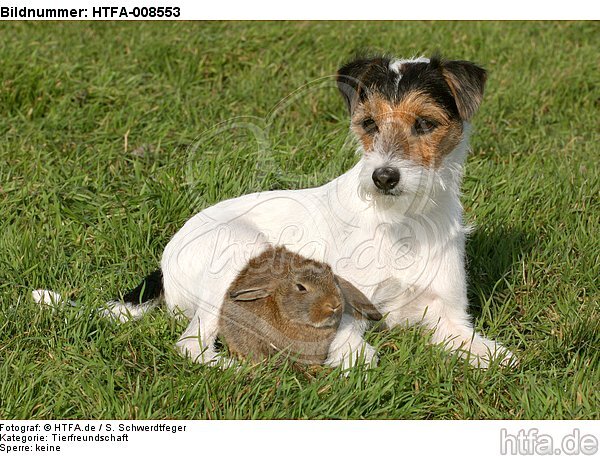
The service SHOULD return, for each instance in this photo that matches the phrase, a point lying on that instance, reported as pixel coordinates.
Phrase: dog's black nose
(386, 178)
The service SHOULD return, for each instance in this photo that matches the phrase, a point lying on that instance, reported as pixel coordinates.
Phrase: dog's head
(410, 116)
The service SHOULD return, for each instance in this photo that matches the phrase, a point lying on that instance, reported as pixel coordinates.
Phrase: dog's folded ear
(355, 78)
(466, 81)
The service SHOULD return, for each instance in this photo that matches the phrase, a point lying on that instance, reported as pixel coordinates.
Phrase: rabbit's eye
(301, 287)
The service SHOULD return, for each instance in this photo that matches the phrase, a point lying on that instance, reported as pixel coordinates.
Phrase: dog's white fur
(404, 251)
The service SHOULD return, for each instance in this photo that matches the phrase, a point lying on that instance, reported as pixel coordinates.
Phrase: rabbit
(284, 302)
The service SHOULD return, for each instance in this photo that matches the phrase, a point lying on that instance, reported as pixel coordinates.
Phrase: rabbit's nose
(333, 306)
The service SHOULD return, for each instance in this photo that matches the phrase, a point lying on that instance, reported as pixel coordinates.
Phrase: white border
(301, 438)
(346, 10)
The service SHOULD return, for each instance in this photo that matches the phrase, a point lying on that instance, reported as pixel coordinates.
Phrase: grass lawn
(98, 169)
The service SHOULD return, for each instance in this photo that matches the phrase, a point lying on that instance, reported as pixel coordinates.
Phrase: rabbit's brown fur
(283, 302)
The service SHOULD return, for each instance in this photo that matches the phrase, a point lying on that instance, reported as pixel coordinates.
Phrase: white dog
(392, 225)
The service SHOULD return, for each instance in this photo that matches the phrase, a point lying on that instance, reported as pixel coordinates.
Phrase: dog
(392, 225)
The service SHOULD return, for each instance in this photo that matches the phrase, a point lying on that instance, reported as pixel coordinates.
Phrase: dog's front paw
(190, 347)
(365, 355)
(485, 353)
(369, 356)
(507, 358)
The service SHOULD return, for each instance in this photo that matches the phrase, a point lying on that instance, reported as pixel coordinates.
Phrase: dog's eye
(424, 126)
(369, 125)
(301, 288)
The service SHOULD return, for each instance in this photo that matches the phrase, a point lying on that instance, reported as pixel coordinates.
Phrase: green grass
(97, 173)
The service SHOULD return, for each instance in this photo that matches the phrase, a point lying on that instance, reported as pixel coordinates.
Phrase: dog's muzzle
(386, 178)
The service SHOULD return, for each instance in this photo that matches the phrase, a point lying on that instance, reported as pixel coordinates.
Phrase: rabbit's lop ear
(251, 294)
(356, 301)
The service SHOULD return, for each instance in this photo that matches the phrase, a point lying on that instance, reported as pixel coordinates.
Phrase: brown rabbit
(284, 302)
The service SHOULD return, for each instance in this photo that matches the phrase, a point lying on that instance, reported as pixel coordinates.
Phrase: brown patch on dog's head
(415, 127)
(415, 109)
